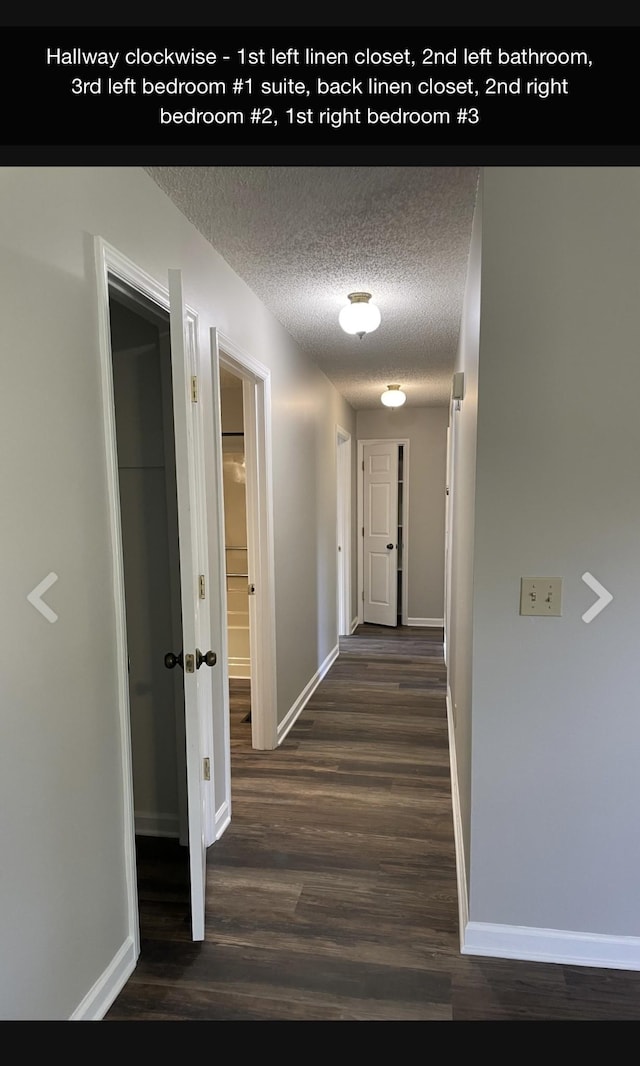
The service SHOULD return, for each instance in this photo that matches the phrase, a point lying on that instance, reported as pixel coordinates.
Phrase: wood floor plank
(332, 895)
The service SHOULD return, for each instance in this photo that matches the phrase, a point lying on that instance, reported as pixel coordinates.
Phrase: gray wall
(556, 729)
(306, 411)
(61, 762)
(426, 430)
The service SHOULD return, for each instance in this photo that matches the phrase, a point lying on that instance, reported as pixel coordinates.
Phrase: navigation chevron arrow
(35, 597)
(603, 594)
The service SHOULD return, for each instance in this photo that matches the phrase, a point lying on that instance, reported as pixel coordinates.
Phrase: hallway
(332, 894)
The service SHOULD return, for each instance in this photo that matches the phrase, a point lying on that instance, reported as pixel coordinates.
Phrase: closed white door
(380, 548)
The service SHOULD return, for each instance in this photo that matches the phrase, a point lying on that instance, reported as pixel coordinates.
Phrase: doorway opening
(231, 364)
(236, 553)
(169, 361)
(145, 444)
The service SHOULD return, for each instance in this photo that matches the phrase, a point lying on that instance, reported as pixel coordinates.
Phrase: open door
(189, 658)
(187, 655)
(380, 533)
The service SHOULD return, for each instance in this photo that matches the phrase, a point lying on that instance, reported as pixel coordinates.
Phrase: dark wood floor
(332, 894)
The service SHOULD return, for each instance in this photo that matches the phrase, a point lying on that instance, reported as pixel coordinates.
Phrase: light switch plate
(541, 596)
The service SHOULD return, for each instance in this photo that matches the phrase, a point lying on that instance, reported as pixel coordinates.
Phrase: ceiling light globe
(393, 397)
(359, 316)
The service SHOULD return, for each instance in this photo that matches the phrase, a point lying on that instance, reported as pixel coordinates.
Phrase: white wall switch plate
(541, 596)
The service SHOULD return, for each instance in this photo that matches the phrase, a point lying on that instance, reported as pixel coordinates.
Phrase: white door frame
(405, 521)
(343, 520)
(256, 396)
(448, 531)
(108, 260)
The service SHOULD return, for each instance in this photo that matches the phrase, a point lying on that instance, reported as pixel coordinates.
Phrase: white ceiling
(304, 237)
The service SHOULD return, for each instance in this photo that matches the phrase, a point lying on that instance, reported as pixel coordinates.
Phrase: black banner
(476, 94)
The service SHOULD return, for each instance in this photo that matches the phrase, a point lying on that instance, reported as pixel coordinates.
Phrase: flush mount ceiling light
(359, 316)
(393, 397)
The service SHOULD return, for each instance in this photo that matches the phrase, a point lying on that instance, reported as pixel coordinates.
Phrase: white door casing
(448, 531)
(343, 509)
(256, 394)
(380, 538)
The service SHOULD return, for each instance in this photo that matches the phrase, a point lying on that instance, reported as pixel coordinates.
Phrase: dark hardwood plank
(332, 896)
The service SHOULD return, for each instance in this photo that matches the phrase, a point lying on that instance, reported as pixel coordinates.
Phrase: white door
(196, 682)
(380, 548)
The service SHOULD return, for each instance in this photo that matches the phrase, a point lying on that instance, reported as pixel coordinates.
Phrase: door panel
(379, 591)
(379, 506)
(182, 356)
(381, 533)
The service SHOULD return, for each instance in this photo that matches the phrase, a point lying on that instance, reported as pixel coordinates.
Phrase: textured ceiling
(304, 237)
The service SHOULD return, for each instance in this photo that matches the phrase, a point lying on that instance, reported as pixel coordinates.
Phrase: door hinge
(363, 531)
(206, 769)
(251, 589)
(363, 464)
(363, 594)
(194, 389)
(201, 587)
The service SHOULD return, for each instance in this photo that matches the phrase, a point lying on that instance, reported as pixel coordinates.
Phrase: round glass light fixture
(393, 397)
(359, 316)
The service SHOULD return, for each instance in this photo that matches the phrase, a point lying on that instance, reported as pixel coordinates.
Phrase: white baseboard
(108, 987)
(524, 942)
(148, 824)
(222, 819)
(430, 623)
(551, 945)
(461, 867)
(296, 710)
(355, 623)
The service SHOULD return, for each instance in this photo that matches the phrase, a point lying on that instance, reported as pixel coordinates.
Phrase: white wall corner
(109, 985)
(297, 708)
